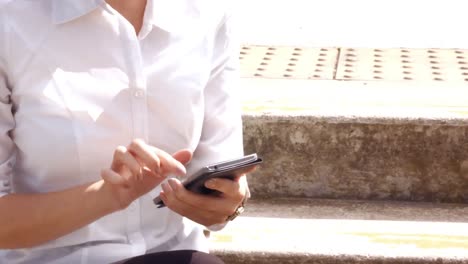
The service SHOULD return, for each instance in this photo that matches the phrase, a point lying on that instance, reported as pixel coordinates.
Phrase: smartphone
(226, 169)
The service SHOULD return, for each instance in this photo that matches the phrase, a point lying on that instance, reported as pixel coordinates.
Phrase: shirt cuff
(216, 227)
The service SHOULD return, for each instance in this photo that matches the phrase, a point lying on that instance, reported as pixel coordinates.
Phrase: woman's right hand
(138, 168)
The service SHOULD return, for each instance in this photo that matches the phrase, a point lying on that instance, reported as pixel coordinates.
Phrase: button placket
(137, 85)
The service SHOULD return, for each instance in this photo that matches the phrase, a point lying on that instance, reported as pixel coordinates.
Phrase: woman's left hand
(204, 209)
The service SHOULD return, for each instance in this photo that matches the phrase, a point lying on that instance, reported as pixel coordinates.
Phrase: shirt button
(139, 93)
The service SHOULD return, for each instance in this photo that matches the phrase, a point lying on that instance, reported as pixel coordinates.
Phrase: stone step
(337, 231)
(357, 139)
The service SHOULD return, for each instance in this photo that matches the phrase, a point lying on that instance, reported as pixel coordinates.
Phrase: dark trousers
(176, 257)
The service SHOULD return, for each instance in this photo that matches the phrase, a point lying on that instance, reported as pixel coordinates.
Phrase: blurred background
(355, 23)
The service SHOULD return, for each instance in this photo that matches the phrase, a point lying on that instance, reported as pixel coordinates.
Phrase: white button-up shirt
(76, 81)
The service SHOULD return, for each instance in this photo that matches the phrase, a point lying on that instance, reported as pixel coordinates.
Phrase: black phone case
(227, 170)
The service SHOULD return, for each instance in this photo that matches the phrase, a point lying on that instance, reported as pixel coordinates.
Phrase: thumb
(184, 156)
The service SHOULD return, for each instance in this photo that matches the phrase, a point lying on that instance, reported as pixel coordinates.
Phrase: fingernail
(181, 171)
(166, 188)
(173, 184)
(211, 184)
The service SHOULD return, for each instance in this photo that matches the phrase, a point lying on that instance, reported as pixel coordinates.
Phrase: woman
(93, 97)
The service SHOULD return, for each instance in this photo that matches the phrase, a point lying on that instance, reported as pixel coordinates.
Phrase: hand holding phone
(227, 170)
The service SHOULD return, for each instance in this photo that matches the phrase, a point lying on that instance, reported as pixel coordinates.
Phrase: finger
(234, 189)
(169, 164)
(250, 170)
(145, 155)
(148, 182)
(184, 156)
(170, 200)
(201, 216)
(245, 171)
(112, 177)
(123, 158)
(145, 171)
(221, 205)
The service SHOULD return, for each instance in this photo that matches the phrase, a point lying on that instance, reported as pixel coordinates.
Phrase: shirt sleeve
(7, 123)
(221, 137)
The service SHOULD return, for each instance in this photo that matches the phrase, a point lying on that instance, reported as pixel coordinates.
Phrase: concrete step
(357, 139)
(337, 231)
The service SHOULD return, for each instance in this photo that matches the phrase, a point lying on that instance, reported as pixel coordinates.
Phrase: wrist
(107, 197)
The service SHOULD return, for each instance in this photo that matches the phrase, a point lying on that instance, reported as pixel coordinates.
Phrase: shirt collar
(64, 11)
(169, 15)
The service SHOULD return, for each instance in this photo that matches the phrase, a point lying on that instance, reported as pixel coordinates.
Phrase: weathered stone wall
(306, 156)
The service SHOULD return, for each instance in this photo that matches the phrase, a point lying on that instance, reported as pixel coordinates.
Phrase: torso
(82, 87)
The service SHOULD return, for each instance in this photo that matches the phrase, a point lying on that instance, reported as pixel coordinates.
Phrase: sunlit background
(355, 23)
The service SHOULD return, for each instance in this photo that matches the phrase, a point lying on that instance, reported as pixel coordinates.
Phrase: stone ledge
(326, 231)
(300, 208)
(287, 258)
(321, 159)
